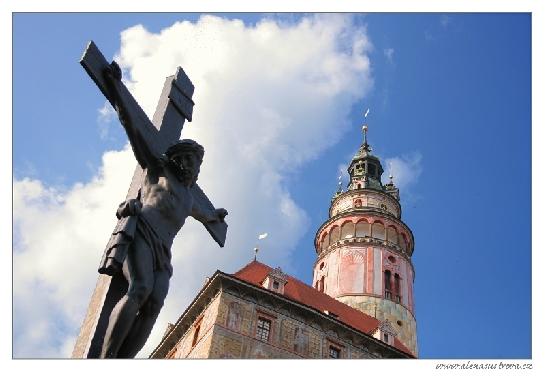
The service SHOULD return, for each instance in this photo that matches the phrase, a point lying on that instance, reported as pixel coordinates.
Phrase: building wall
(222, 323)
(400, 318)
(201, 349)
(234, 334)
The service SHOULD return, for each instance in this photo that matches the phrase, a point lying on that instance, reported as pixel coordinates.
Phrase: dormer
(385, 332)
(276, 281)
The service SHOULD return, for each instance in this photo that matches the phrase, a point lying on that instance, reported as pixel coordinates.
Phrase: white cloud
(389, 53)
(269, 98)
(343, 174)
(58, 238)
(405, 169)
(105, 116)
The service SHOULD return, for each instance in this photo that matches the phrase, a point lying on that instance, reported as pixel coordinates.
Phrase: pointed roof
(365, 169)
(364, 152)
(255, 273)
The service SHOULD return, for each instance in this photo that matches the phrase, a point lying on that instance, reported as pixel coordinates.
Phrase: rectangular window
(275, 285)
(321, 284)
(334, 352)
(263, 329)
(397, 288)
(387, 280)
(387, 284)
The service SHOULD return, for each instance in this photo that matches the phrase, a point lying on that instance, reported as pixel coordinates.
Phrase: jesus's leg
(145, 321)
(138, 270)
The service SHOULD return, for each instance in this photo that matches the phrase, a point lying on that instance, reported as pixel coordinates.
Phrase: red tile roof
(255, 273)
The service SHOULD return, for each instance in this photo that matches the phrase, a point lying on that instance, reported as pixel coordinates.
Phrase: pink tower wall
(353, 274)
(353, 270)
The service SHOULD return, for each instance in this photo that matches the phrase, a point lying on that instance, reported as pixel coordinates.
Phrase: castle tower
(364, 250)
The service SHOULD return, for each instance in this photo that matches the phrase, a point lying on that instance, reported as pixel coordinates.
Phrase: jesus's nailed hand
(113, 71)
(221, 213)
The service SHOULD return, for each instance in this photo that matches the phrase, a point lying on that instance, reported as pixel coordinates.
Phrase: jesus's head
(187, 155)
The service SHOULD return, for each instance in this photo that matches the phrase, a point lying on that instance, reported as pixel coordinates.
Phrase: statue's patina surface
(149, 219)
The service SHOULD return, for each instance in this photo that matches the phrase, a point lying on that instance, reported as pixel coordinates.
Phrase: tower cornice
(363, 212)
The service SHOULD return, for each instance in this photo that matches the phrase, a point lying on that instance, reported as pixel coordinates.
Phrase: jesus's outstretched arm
(142, 151)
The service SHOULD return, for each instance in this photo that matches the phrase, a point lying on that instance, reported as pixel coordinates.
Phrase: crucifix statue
(136, 268)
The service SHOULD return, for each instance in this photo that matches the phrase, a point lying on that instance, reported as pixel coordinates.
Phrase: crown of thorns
(185, 145)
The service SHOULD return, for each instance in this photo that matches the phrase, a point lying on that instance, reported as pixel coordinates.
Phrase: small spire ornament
(364, 129)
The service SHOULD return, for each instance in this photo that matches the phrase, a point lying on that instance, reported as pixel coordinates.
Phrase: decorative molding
(277, 274)
(350, 195)
(386, 326)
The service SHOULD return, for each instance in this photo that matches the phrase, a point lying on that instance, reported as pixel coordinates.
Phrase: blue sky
(450, 98)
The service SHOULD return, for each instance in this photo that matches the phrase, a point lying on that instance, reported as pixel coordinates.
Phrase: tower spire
(365, 169)
(364, 129)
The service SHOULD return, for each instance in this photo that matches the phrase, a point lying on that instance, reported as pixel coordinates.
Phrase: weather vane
(256, 249)
(364, 127)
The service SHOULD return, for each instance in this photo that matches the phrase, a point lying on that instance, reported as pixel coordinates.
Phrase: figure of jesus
(140, 246)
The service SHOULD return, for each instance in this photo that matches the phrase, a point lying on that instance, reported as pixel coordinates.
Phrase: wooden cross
(174, 107)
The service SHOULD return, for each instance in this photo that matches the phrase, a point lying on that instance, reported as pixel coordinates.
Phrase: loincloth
(127, 229)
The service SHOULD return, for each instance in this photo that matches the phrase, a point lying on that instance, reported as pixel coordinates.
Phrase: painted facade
(227, 319)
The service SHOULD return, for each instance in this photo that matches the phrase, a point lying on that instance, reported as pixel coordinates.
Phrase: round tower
(364, 249)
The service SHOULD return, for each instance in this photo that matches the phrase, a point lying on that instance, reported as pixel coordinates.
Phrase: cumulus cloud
(58, 236)
(269, 98)
(405, 169)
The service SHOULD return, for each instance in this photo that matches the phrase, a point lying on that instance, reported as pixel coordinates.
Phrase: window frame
(397, 287)
(336, 349)
(387, 279)
(259, 329)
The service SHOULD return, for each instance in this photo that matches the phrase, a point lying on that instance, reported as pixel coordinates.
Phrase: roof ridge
(252, 262)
